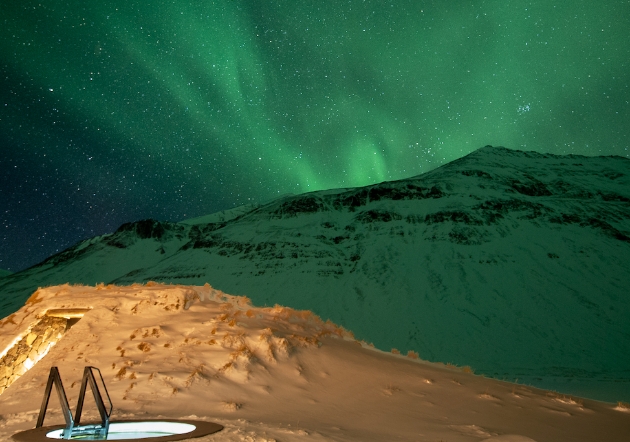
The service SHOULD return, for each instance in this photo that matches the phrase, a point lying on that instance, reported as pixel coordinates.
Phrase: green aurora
(121, 110)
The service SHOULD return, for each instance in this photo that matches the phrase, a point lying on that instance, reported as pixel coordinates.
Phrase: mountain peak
(500, 249)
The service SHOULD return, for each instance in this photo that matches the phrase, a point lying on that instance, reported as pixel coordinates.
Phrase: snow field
(275, 374)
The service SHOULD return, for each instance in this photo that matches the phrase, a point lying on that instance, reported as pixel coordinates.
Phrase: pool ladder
(73, 430)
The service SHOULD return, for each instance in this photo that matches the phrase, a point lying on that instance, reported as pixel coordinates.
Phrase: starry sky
(115, 111)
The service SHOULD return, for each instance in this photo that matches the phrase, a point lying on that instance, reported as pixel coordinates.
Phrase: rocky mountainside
(512, 262)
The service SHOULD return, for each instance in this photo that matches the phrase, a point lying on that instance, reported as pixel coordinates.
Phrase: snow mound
(271, 373)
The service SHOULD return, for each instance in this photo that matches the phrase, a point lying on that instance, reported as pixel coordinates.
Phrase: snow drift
(274, 373)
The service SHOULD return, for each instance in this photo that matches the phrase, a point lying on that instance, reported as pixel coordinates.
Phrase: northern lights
(120, 110)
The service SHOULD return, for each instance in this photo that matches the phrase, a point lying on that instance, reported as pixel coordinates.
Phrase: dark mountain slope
(512, 262)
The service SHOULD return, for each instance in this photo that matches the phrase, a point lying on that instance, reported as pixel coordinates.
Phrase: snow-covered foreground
(275, 374)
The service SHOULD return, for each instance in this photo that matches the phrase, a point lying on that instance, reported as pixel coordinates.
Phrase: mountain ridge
(497, 249)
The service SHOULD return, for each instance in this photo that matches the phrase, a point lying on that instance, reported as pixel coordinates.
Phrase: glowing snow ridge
(237, 372)
(137, 430)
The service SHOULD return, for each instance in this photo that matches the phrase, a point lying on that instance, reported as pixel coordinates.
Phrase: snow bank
(271, 374)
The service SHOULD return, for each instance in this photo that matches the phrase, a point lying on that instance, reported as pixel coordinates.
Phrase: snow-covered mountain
(515, 263)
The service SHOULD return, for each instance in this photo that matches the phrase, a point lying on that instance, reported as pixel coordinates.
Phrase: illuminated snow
(274, 373)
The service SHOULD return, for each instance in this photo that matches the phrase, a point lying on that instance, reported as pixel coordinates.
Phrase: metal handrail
(88, 376)
(109, 399)
(72, 425)
(54, 378)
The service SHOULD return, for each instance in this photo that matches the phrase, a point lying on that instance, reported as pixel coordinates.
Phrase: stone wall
(32, 347)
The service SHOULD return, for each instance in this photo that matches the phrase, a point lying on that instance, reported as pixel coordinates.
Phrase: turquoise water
(135, 430)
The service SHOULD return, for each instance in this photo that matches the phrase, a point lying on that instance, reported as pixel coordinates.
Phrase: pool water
(135, 430)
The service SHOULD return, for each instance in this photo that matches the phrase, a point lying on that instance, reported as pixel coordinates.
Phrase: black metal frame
(72, 424)
(54, 378)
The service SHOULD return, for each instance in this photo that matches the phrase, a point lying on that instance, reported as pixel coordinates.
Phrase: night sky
(115, 111)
